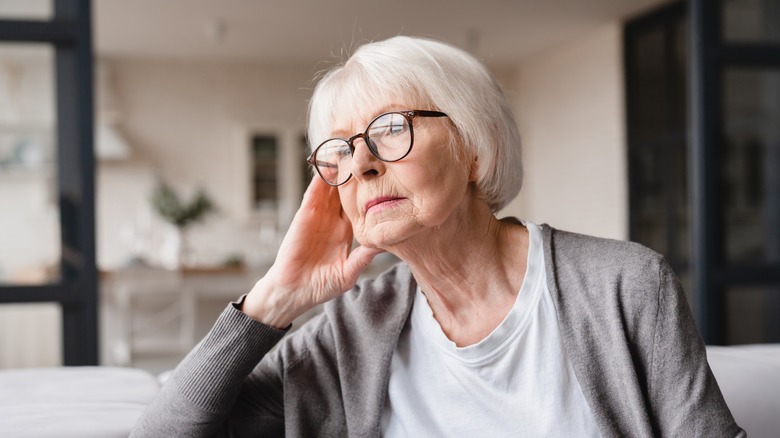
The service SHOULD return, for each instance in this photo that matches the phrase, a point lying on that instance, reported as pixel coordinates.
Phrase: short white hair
(433, 76)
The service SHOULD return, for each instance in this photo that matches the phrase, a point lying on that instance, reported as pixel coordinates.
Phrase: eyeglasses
(389, 137)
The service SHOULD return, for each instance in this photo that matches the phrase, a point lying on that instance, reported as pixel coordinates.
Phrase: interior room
(153, 155)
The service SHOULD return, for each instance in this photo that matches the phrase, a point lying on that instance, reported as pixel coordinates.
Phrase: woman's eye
(397, 129)
(387, 130)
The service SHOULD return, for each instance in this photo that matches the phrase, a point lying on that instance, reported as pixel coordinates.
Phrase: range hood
(110, 143)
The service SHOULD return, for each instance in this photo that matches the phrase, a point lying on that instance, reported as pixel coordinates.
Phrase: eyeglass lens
(389, 137)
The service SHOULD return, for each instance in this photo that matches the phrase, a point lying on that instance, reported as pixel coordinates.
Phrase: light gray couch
(749, 377)
(105, 402)
(66, 402)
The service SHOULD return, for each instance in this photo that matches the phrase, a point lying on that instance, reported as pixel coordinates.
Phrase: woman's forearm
(202, 391)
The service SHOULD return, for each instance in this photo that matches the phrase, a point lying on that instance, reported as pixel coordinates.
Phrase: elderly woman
(487, 328)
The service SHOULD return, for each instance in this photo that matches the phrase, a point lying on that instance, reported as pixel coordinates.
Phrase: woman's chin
(385, 235)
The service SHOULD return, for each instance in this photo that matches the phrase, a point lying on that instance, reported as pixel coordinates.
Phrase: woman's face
(389, 203)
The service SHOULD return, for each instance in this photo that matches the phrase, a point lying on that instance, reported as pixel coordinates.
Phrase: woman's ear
(473, 169)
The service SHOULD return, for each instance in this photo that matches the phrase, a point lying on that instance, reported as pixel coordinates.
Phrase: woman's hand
(315, 262)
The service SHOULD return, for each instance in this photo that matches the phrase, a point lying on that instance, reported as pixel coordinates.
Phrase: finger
(317, 187)
(323, 197)
(313, 184)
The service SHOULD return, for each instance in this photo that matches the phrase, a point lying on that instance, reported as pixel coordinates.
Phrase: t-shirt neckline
(513, 324)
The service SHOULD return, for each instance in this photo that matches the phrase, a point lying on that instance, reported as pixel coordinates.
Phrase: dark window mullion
(749, 55)
(38, 294)
(662, 145)
(670, 146)
(76, 185)
(704, 93)
(28, 31)
(753, 276)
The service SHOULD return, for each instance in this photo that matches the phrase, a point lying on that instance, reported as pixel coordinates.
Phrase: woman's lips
(381, 202)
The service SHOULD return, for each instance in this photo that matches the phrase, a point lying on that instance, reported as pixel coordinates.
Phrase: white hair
(433, 76)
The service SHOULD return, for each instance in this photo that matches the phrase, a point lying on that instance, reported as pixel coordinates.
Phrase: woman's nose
(364, 163)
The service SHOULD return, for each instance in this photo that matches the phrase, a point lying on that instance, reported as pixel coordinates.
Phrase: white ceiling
(306, 31)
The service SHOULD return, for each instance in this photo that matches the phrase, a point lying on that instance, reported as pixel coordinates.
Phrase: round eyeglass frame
(409, 115)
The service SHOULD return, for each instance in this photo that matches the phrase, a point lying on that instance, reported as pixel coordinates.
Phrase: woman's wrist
(271, 305)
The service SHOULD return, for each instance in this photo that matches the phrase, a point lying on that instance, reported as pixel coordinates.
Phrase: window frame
(69, 31)
(709, 57)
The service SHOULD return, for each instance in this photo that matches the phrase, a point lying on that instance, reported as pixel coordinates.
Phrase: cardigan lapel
(372, 341)
(580, 307)
(582, 371)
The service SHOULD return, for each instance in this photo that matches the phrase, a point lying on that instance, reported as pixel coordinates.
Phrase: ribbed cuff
(212, 374)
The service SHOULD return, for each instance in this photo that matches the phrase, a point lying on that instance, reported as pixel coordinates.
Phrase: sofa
(66, 402)
(749, 377)
(105, 402)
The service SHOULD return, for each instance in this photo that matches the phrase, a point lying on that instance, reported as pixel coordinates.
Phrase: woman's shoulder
(626, 284)
(588, 269)
(575, 250)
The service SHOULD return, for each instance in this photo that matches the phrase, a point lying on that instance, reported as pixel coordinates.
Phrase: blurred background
(152, 152)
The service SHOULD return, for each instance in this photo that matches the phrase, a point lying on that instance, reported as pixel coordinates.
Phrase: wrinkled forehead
(351, 99)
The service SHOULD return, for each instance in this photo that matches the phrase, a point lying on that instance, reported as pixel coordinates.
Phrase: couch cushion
(73, 401)
(749, 377)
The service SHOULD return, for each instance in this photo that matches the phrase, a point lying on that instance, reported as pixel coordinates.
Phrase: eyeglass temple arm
(425, 113)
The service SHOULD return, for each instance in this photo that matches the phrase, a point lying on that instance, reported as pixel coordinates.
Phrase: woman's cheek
(348, 203)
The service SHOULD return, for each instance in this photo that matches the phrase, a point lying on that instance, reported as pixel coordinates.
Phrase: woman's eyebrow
(346, 132)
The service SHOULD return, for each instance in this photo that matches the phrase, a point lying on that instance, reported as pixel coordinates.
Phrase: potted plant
(167, 203)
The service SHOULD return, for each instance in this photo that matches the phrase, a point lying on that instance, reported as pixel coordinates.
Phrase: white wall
(189, 122)
(568, 101)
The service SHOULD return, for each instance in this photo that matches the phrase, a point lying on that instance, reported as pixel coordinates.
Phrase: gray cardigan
(625, 323)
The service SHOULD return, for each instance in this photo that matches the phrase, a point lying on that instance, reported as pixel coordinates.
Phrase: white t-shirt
(518, 381)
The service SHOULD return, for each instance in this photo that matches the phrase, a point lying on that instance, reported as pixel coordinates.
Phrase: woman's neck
(470, 269)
